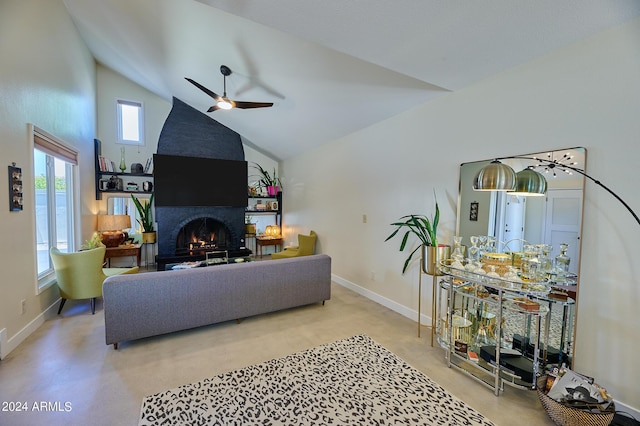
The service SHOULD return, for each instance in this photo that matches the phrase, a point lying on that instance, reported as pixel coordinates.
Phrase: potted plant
(145, 220)
(249, 225)
(425, 229)
(270, 181)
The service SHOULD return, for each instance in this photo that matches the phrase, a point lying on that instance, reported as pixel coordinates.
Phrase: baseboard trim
(412, 314)
(8, 345)
(3, 343)
(630, 411)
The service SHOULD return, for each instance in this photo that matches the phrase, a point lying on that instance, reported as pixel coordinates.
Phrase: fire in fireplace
(202, 235)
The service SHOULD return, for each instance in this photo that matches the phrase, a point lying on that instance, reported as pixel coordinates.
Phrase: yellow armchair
(80, 274)
(306, 247)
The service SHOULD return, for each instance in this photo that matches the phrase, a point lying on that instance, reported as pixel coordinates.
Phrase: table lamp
(111, 226)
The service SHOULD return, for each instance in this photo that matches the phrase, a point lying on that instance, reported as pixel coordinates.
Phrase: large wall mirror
(125, 205)
(513, 220)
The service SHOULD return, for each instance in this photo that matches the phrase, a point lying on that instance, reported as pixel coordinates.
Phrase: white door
(563, 222)
(510, 221)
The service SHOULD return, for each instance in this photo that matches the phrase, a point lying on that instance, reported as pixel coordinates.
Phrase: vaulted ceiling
(330, 67)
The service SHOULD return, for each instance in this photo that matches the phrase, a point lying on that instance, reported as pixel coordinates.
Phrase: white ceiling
(331, 67)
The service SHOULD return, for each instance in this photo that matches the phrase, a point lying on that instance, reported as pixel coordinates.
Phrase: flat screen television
(199, 182)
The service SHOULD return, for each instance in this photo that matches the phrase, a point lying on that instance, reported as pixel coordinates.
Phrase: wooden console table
(123, 251)
(267, 241)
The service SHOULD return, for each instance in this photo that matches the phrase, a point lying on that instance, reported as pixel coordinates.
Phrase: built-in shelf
(100, 174)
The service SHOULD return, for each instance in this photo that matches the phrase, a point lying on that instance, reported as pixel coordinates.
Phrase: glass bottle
(474, 250)
(546, 263)
(123, 164)
(482, 339)
(562, 263)
(458, 253)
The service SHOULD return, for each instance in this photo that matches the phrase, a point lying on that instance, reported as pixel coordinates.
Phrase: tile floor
(67, 362)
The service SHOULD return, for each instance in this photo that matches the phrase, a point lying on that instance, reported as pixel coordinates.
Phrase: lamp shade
(530, 183)
(495, 176)
(272, 230)
(113, 222)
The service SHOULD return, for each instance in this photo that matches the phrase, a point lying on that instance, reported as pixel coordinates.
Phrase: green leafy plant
(265, 178)
(144, 211)
(422, 227)
(94, 242)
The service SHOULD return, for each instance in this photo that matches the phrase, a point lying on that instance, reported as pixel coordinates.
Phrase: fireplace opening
(202, 235)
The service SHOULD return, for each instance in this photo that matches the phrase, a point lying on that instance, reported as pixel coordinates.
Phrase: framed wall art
(473, 212)
(15, 188)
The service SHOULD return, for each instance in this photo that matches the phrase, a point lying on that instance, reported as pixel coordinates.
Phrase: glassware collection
(497, 298)
(533, 268)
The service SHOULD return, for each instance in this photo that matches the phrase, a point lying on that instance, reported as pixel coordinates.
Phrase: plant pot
(431, 257)
(272, 190)
(250, 228)
(149, 237)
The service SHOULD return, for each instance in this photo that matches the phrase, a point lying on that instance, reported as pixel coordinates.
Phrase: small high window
(130, 119)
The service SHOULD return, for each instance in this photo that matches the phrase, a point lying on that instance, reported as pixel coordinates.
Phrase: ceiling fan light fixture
(224, 103)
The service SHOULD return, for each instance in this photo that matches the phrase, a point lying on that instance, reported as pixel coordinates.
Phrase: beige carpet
(351, 381)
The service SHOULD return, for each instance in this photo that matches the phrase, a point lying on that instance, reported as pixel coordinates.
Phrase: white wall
(48, 79)
(112, 86)
(585, 95)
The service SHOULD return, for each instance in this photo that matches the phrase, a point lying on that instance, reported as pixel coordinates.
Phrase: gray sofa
(149, 304)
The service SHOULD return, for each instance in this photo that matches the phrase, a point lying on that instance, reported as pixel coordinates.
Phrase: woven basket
(568, 416)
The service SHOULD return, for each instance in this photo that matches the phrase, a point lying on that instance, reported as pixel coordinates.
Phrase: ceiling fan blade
(247, 105)
(204, 89)
(213, 108)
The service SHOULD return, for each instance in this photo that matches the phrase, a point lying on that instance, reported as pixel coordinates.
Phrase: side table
(123, 251)
(267, 241)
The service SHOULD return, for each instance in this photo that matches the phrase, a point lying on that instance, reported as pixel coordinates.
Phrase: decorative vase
(272, 190)
(431, 257)
(149, 237)
(123, 164)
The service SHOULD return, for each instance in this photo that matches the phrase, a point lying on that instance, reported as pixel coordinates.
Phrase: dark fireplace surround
(190, 133)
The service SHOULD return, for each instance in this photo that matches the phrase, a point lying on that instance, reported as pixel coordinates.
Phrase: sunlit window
(53, 176)
(130, 118)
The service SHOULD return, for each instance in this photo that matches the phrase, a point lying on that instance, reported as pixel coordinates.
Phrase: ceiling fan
(222, 102)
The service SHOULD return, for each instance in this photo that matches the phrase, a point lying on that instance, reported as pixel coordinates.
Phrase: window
(54, 181)
(130, 119)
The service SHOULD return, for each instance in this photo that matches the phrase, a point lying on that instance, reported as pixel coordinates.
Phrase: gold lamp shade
(495, 177)
(272, 230)
(530, 183)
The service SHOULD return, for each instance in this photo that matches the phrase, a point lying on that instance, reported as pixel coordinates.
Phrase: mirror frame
(470, 203)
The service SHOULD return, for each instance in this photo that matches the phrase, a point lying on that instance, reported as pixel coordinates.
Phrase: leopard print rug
(354, 381)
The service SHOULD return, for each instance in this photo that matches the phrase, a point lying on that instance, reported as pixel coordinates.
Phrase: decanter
(458, 253)
(562, 263)
(482, 339)
(546, 263)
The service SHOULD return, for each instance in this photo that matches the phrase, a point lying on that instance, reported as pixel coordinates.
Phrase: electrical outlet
(23, 307)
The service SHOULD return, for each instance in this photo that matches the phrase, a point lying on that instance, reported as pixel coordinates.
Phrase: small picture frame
(274, 205)
(15, 188)
(473, 212)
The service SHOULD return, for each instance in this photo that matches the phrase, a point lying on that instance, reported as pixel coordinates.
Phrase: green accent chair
(306, 247)
(80, 274)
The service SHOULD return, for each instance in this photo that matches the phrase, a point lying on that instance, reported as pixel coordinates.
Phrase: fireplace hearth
(202, 235)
